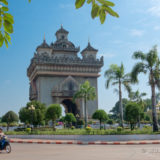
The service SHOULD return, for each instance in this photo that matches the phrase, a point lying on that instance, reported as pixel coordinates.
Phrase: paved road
(82, 152)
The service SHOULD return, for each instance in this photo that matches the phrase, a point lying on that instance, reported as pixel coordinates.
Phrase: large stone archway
(70, 107)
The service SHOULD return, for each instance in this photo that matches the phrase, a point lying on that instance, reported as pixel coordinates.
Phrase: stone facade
(56, 72)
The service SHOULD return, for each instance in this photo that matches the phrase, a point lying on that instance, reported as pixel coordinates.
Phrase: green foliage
(119, 129)
(69, 118)
(115, 109)
(28, 130)
(101, 115)
(80, 122)
(149, 63)
(54, 112)
(9, 118)
(132, 113)
(88, 129)
(35, 115)
(100, 8)
(3, 124)
(110, 121)
(115, 75)
(86, 92)
(6, 23)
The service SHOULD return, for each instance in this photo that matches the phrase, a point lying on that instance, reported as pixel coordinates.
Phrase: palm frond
(138, 68)
(139, 55)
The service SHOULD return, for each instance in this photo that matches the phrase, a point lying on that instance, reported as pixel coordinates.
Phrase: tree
(9, 118)
(100, 8)
(137, 97)
(101, 115)
(54, 111)
(70, 118)
(33, 113)
(132, 113)
(86, 92)
(116, 75)
(149, 63)
(115, 110)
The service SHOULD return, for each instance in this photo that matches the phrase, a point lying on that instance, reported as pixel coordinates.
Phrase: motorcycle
(5, 144)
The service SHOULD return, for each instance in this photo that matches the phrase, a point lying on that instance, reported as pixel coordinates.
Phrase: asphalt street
(82, 152)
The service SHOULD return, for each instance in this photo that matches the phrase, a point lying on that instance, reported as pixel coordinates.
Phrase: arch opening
(70, 107)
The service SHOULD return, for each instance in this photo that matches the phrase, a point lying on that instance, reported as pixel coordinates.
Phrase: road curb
(82, 142)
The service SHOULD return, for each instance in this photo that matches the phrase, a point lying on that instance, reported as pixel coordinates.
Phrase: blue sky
(138, 28)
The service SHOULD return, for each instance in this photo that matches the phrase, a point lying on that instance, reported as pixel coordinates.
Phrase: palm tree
(149, 63)
(115, 75)
(86, 92)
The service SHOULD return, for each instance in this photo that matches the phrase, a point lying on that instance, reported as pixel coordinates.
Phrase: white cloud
(154, 10)
(136, 32)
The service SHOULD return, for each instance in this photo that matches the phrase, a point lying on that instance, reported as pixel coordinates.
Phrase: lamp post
(77, 118)
(32, 108)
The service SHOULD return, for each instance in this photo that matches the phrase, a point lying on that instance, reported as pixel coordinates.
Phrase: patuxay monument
(56, 72)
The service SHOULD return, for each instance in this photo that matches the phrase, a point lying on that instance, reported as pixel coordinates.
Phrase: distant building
(56, 72)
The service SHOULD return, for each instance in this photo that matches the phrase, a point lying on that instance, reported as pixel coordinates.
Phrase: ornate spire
(44, 39)
(89, 48)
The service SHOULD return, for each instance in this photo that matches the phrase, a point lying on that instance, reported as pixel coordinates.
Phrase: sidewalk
(39, 141)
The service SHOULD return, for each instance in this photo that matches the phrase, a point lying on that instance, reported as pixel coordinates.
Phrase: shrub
(72, 127)
(28, 130)
(147, 127)
(90, 122)
(80, 122)
(88, 129)
(3, 124)
(119, 129)
(110, 121)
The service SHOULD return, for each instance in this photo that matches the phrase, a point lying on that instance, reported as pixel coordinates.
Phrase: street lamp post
(32, 108)
(77, 118)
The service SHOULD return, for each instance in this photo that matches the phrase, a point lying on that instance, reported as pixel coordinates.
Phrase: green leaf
(8, 26)
(107, 3)
(79, 3)
(5, 9)
(6, 42)
(89, 1)
(102, 15)
(8, 17)
(0, 21)
(29, 1)
(4, 2)
(110, 11)
(1, 39)
(7, 36)
(95, 10)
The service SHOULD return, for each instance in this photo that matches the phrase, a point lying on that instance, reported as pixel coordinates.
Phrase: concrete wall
(90, 137)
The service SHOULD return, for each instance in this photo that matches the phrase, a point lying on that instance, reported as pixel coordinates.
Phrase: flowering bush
(88, 129)
(28, 130)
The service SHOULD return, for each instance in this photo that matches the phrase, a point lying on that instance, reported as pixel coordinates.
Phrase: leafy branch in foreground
(6, 23)
(100, 8)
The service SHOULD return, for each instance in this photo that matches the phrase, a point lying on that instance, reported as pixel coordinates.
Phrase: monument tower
(56, 72)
